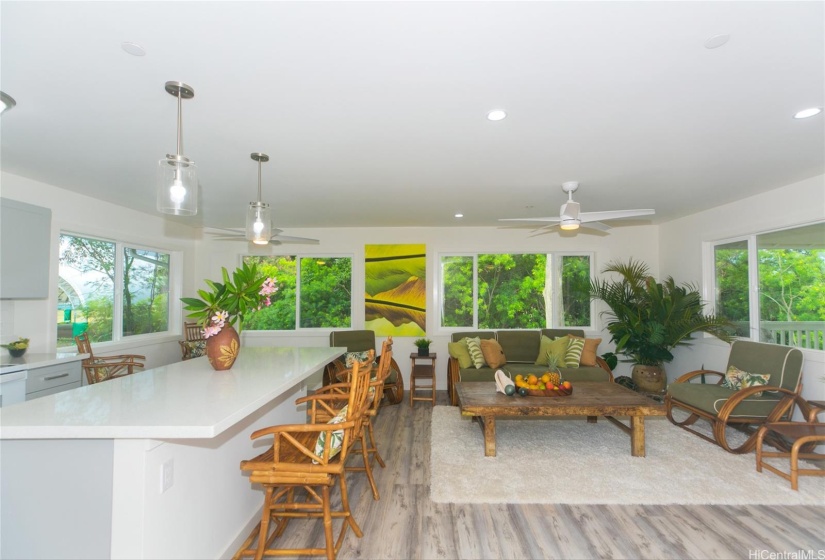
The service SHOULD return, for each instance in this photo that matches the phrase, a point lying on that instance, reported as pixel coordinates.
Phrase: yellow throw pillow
(493, 353)
(458, 350)
(591, 345)
(544, 346)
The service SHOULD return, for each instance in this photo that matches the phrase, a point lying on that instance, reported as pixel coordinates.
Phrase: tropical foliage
(325, 288)
(145, 281)
(230, 301)
(514, 291)
(395, 286)
(647, 319)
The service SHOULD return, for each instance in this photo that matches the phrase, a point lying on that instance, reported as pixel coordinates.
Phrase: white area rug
(568, 461)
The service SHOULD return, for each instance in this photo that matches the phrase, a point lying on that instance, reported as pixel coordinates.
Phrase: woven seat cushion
(711, 399)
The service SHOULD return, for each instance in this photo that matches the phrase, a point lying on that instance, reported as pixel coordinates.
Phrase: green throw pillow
(459, 351)
(474, 347)
(574, 352)
(558, 348)
(546, 341)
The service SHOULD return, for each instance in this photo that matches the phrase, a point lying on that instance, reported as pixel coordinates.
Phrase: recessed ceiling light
(716, 41)
(496, 115)
(804, 114)
(459, 215)
(133, 48)
(6, 102)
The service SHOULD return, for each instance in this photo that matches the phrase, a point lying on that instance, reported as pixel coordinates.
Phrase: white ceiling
(373, 113)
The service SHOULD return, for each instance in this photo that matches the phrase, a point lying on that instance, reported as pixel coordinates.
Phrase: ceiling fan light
(258, 223)
(569, 225)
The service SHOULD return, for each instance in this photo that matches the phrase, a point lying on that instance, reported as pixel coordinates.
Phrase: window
(782, 298)
(110, 297)
(313, 292)
(515, 291)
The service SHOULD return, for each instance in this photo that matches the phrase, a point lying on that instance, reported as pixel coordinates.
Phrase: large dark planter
(223, 348)
(650, 379)
(424, 351)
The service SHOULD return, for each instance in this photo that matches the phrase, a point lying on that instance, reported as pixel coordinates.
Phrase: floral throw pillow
(733, 378)
(337, 436)
(353, 357)
(754, 380)
(195, 348)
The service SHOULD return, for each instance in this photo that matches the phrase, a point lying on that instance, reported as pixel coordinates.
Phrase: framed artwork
(395, 302)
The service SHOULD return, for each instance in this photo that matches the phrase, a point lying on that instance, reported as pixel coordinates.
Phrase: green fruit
(522, 391)
(510, 390)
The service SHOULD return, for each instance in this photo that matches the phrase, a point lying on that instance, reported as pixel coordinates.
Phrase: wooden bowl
(550, 392)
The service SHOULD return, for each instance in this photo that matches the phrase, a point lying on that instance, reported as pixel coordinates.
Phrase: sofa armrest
(452, 378)
(602, 364)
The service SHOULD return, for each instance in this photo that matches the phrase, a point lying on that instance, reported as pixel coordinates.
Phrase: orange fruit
(545, 378)
(532, 379)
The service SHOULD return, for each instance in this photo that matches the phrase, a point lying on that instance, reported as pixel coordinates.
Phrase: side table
(804, 435)
(422, 372)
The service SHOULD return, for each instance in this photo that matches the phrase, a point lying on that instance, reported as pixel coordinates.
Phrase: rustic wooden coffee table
(481, 401)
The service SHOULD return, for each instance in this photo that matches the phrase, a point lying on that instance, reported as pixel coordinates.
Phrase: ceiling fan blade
(556, 219)
(280, 239)
(595, 225)
(569, 210)
(544, 230)
(230, 238)
(614, 214)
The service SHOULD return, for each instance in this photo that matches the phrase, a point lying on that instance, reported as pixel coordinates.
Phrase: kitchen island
(146, 466)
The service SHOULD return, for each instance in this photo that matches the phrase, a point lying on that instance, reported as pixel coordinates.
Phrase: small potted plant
(18, 347)
(423, 346)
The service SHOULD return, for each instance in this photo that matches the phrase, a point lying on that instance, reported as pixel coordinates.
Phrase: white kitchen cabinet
(25, 239)
(56, 378)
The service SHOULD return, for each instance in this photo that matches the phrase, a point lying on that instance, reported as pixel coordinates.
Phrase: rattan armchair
(194, 344)
(362, 341)
(295, 462)
(104, 368)
(745, 409)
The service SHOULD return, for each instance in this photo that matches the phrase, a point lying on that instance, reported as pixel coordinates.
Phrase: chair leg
(266, 515)
(367, 468)
(373, 445)
(349, 520)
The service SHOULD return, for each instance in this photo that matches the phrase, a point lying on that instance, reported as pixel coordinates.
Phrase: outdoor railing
(801, 334)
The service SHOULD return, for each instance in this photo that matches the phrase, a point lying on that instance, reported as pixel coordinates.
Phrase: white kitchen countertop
(181, 400)
(35, 360)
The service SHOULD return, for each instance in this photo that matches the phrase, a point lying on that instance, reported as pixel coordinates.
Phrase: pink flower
(268, 287)
(211, 331)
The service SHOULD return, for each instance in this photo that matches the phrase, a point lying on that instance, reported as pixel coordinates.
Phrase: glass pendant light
(177, 175)
(258, 218)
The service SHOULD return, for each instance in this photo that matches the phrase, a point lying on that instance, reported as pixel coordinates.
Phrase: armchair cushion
(783, 363)
(711, 399)
(355, 341)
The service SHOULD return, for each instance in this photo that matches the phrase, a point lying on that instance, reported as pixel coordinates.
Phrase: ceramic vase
(649, 379)
(223, 348)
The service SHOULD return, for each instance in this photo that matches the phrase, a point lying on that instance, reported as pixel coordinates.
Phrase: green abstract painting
(395, 302)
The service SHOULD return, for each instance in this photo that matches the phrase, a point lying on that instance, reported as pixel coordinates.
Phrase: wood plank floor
(404, 523)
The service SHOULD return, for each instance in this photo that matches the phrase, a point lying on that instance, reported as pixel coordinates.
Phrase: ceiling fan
(571, 218)
(259, 228)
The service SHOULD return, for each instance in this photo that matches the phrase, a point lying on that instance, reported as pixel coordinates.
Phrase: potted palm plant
(648, 319)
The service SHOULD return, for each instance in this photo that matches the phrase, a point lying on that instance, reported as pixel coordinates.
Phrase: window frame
(555, 286)
(175, 314)
(754, 311)
(298, 256)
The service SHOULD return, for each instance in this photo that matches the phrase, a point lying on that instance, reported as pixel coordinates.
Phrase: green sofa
(521, 348)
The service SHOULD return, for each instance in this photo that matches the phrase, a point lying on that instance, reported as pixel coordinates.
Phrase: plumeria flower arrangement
(228, 302)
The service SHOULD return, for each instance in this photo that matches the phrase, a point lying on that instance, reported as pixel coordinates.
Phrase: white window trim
(709, 283)
(174, 319)
(555, 286)
(298, 256)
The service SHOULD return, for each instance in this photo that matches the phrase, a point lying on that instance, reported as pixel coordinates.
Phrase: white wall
(680, 246)
(639, 242)
(36, 318)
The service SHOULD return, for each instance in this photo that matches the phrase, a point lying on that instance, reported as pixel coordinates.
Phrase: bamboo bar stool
(365, 442)
(297, 460)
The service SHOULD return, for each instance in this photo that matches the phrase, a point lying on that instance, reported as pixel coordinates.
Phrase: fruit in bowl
(18, 347)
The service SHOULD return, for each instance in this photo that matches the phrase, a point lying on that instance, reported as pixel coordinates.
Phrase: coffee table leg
(637, 436)
(489, 425)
